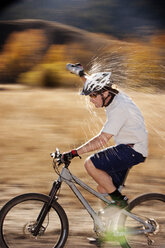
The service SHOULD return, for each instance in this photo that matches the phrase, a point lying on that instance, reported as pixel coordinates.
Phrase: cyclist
(124, 123)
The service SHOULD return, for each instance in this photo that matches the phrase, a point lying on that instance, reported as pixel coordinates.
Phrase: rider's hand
(67, 156)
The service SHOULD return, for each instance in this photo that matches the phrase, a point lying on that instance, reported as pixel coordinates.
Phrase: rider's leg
(105, 184)
(104, 181)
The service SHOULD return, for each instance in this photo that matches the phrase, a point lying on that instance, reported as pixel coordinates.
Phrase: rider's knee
(88, 165)
(99, 188)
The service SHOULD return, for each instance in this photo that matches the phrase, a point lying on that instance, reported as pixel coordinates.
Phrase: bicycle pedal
(95, 241)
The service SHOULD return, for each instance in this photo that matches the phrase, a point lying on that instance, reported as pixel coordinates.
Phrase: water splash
(131, 65)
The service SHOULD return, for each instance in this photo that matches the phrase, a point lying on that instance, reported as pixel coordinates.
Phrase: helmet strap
(105, 98)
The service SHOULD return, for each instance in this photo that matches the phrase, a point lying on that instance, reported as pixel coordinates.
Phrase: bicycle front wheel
(18, 218)
(151, 209)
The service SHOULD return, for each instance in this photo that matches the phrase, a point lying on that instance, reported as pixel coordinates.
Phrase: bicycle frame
(67, 177)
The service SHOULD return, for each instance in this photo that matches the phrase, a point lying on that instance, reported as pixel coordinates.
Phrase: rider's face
(96, 100)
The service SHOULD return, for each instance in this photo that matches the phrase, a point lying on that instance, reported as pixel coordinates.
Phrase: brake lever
(52, 154)
(58, 156)
(57, 153)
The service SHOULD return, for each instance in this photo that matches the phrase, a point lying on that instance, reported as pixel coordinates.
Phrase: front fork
(46, 207)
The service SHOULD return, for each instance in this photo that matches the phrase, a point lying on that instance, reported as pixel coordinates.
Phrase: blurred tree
(145, 66)
(21, 51)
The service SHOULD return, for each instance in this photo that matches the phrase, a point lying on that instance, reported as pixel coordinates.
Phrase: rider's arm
(83, 78)
(95, 143)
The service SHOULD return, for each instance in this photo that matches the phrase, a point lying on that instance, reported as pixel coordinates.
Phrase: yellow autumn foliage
(28, 58)
(21, 51)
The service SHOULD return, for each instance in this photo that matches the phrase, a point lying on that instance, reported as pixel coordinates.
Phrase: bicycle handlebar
(56, 154)
(57, 157)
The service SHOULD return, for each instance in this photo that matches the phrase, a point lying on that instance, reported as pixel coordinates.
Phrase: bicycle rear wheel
(18, 217)
(151, 208)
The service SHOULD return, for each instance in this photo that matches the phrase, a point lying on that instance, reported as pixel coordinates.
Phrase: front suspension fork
(46, 207)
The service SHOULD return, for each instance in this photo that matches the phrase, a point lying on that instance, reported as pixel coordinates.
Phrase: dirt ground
(35, 121)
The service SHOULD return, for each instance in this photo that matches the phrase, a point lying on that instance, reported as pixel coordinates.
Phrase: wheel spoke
(152, 211)
(20, 221)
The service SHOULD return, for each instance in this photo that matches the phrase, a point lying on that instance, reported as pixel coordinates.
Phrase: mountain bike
(36, 220)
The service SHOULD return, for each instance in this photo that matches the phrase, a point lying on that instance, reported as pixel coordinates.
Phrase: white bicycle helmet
(96, 83)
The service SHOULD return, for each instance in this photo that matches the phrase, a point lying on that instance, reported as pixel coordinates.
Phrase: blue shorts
(116, 161)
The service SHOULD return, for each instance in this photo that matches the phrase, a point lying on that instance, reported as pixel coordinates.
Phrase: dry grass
(36, 121)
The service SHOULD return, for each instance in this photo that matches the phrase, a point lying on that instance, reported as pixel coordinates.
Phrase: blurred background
(38, 37)
(40, 108)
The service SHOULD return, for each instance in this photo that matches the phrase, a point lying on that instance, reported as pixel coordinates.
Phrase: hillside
(33, 40)
(35, 52)
(56, 33)
(29, 41)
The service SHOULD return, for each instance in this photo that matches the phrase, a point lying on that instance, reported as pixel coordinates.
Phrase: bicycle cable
(59, 174)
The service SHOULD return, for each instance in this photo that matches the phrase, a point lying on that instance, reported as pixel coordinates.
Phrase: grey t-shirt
(126, 123)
